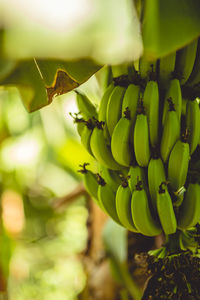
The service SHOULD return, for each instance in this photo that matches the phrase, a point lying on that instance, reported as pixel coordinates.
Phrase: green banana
(86, 135)
(194, 78)
(104, 103)
(151, 104)
(85, 106)
(120, 141)
(156, 175)
(130, 100)
(178, 165)
(141, 140)
(171, 132)
(189, 213)
(173, 93)
(134, 173)
(192, 124)
(141, 213)
(107, 199)
(123, 206)
(147, 68)
(106, 77)
(165, 210)
(166, 68)
(90, 182)
(185, 59)
(103, 109)
(111, 177)
(114, 107)
(100, 149)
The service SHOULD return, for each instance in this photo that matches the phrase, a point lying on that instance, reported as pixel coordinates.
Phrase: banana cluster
(144, 136)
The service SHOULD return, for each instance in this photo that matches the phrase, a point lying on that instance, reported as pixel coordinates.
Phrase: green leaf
(39, 81)
(61, 77)
(169, 25)
(30, 84)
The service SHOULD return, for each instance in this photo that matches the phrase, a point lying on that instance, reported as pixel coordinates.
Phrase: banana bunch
(145, 136)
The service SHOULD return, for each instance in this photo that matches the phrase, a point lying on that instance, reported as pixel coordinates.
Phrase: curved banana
(120, 141)
(106, 77)
(185, 59)
(90, 182)
(85, 106)
(103, 109)
(141, 213)
(130, 100)
(151, 104)
(173, 93)
(86, 135)
(189, 213)
(165, 210)
(100, 148)
(141, 140)
(192, 124)
(178, 165)
(134, 173)
(170, 134)
(166, 68)
(123, 207)
(156, 175)
(111, 177)
(106, 198)
(195, 75)
(104, 102)
(114, 108)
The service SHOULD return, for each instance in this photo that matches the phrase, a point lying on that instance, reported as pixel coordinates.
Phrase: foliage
(39, 165)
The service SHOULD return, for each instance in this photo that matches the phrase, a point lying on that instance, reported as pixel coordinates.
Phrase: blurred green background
(40, 154)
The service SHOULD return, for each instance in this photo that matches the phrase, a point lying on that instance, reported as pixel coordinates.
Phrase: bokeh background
(40, 154)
